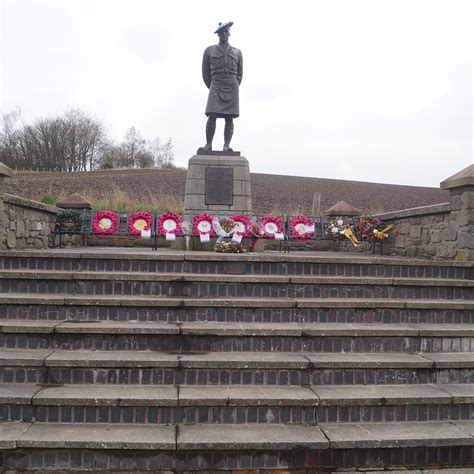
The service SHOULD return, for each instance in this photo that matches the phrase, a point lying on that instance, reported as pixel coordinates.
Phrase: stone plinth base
(205, 193)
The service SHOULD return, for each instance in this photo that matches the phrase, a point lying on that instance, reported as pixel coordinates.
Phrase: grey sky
(362, 90)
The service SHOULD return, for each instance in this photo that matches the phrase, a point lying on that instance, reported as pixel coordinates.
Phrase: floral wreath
(334, 228)
(138, 221)
(170, 223)
(105, 222)
(340, 230)
(271, 225)
(202, 224)
(299, 227)
(242, 224)
(364, 228)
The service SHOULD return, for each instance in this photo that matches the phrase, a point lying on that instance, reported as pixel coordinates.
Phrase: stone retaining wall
(444, 231)
(427, 231)
(28, 224)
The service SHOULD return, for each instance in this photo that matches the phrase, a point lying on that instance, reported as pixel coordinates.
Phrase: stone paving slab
(244, 360)
(18, 394)
(97, 436)
(31, 299)
(336, 280)
(412, 394)
(251, 437)
(35, 274)
(105, 300)
(395, 435)
(241, 329)
(347, 395)
(28, 326)
(23, 357)
(116, 327)
(107, 395)
(460, 393)
(26, 274)
(350, 303)
(433, 282)
(240, 278)
(134, 359)
(10, 432)
(251, 395)
(451, 360)
(387, 303)
(383, 281)
(467, 426)
(439, 304)
(362, 360)
(354, 330)
(444, 330)
(241, 302)
(126, 276)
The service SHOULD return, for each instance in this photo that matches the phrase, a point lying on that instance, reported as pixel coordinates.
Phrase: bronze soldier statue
(222, 74)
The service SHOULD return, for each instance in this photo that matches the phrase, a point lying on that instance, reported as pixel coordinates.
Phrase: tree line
(75, 141)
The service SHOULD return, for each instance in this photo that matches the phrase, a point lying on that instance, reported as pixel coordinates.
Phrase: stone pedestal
(5, 172)
(219, 184)
(458, 238)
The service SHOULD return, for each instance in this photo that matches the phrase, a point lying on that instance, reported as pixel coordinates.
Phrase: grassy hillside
(161, 189)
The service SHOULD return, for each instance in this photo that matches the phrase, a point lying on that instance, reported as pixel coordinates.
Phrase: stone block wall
(28, 224)
(430, 232)
(427, 231)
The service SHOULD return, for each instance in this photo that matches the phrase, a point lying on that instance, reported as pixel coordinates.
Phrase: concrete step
(211, 336)
(343, 310)
(209, 447)
(128, 300)
(235, 368)
(197, 285)
(118, 276)
(270, 263)
(203, 404)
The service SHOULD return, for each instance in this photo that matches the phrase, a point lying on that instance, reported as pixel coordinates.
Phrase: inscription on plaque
(219, 185)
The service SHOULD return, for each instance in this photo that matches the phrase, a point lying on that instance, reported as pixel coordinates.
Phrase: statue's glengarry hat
(224, 25)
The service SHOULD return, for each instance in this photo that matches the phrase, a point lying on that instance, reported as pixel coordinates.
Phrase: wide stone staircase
(125, 360)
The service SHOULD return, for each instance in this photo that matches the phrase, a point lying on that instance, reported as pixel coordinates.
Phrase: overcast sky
(376, 91)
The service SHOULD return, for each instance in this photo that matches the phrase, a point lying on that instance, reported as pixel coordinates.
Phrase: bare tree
(133, 145)
(85, 139)
(163, 153)
(113, 156)
(144, 159)
(133, 152)
(75, 141)
(9, 137)
(72, 142)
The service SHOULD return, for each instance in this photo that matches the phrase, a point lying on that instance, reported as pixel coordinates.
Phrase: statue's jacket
(222, 73)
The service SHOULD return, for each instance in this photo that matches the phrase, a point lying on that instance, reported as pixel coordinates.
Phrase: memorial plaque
(219, 185)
